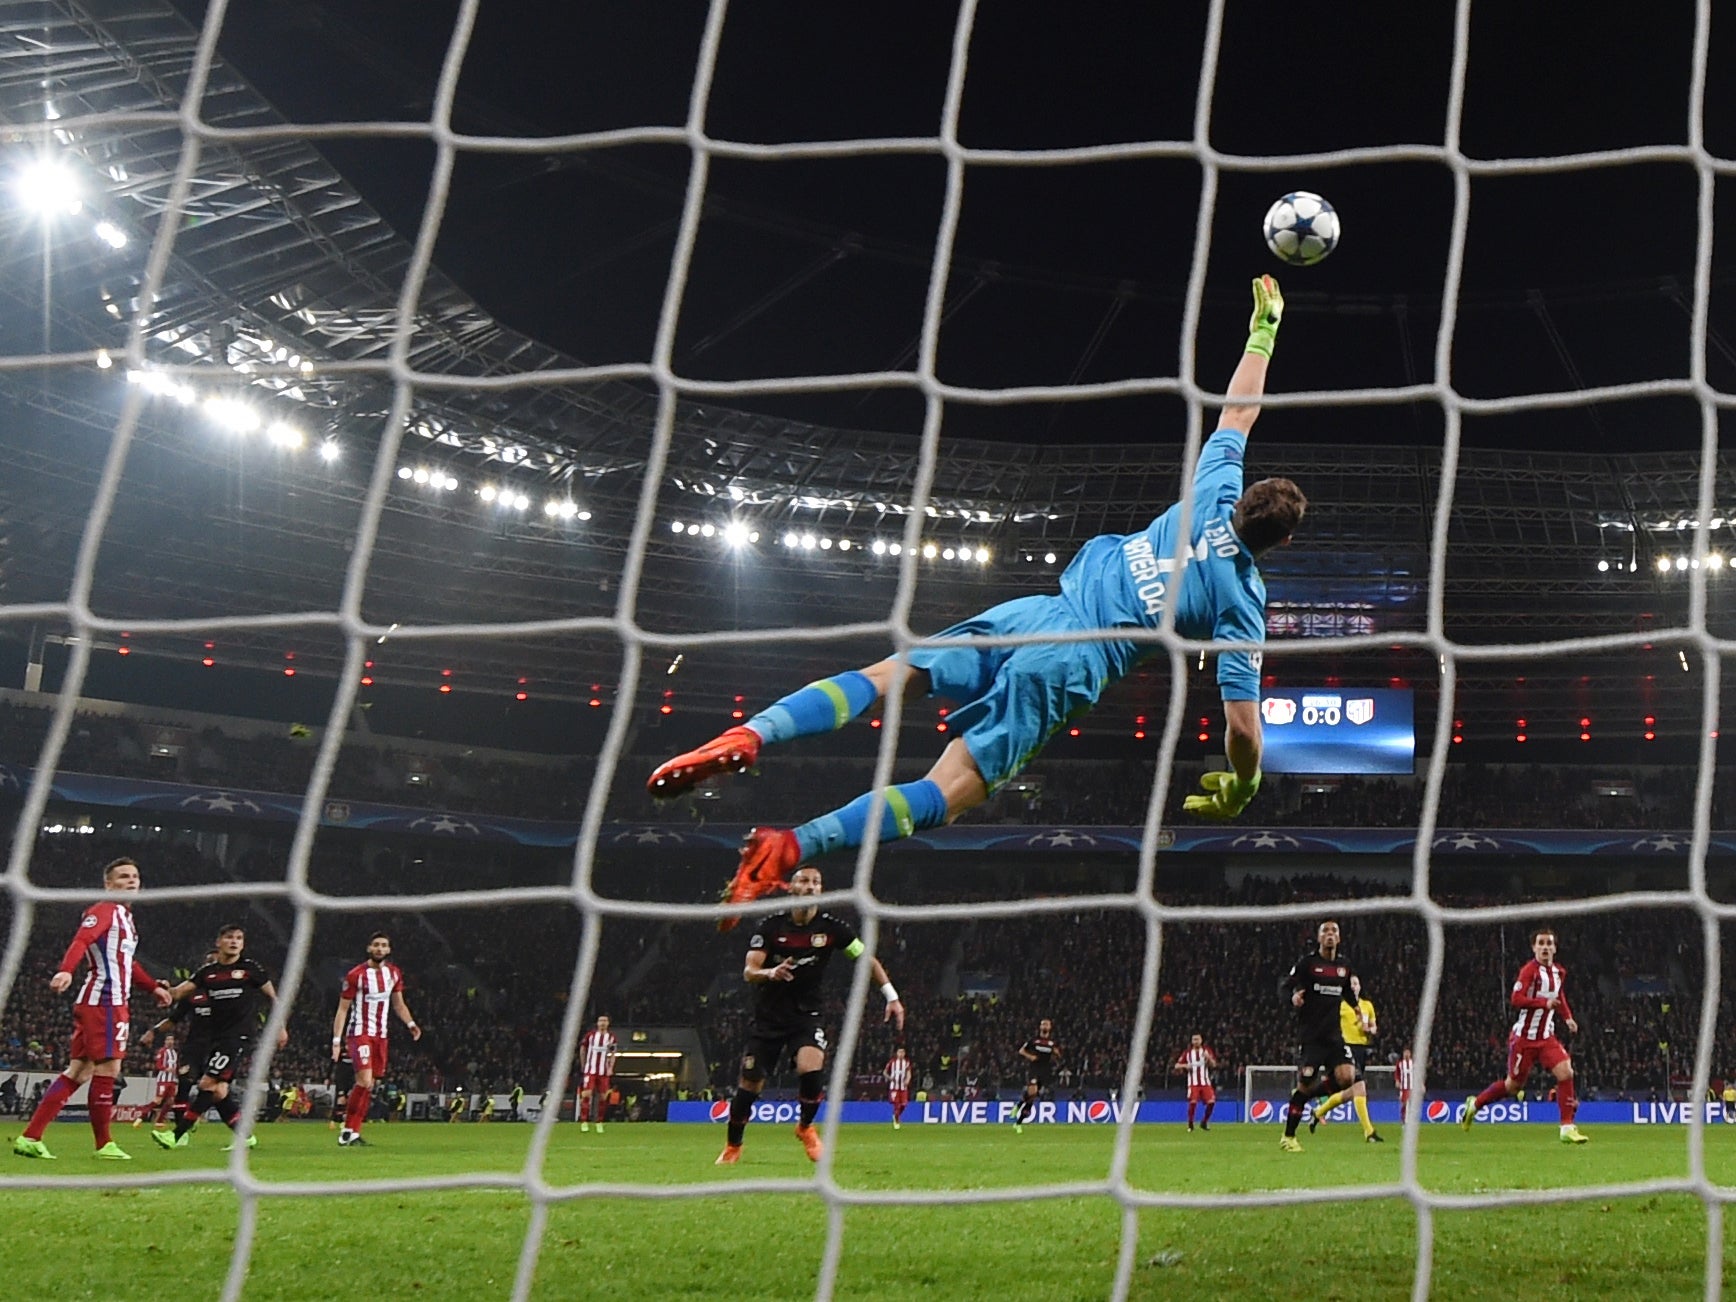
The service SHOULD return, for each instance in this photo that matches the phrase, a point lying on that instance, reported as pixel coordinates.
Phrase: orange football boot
(734, 751)
(730, 1156)
(768, 857)
(810, 1137)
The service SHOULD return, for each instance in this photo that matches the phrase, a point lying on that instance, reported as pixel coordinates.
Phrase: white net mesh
(197, 135)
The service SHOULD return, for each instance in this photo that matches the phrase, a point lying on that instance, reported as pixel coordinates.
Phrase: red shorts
(1201, 1094)
(1522, 1055)
(99, 1031)
(899, 1098)
(165, 1090)
(595, 1085)
(368, 1053)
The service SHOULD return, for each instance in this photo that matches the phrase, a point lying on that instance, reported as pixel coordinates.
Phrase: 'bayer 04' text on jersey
(1325, 986)
(810, 945)
(1126, 580)
(232, 992)
(1043, 1055)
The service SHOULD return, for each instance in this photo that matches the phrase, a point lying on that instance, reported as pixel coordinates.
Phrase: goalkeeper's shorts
(1012, 699)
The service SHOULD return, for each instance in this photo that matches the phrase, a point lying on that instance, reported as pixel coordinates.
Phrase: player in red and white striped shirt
(596, 1063)
(1198, 1062)
(164, 1064)
(1403, 1074)
(1538, 994)
(372, 990)
(106, 940)
(898, 1074)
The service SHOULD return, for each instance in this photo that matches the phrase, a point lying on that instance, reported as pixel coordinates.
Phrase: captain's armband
(854, 948)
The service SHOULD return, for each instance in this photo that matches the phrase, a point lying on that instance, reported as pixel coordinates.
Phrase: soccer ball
(1302, 228)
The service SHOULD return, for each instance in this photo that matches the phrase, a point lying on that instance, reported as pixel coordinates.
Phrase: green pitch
(173, 1243)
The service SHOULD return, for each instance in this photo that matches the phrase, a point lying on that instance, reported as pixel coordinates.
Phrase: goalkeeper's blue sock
(909, 808)
(824, 706)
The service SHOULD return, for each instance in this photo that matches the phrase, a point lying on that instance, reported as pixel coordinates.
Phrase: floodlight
(329, 451)
(111, 235)
(232, 414)
(488, 492)
(47, 186)
(735, 533)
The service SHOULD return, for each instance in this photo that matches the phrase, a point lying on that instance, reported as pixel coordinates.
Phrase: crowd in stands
(491, 984)
(799, 784)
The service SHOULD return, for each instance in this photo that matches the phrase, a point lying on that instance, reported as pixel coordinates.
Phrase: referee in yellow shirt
(1359, 1029)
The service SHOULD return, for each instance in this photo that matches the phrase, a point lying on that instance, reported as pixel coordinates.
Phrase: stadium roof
(280, 296)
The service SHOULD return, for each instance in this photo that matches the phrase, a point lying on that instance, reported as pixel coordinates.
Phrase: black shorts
(1038, 1078)
(220, 1059)
(767, 1043)
(1322, 1056)
(343, 1075)
(1359, 1055)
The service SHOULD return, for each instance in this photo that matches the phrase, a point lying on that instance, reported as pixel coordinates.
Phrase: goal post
(1269, 1083)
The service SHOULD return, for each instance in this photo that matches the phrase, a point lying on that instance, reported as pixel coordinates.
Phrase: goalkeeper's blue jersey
(1125, 580)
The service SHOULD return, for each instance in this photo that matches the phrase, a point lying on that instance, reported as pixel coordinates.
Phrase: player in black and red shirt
(1040, 1054)
(786, 964)
(221, 1029)
(1315, 987)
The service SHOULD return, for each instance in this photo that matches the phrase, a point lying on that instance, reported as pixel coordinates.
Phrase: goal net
(196, 110)
(1266, 1091)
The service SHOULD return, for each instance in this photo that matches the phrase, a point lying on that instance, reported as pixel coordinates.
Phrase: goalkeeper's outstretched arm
(1248, 384)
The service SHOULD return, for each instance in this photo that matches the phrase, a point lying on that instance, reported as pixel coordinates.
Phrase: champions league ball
(1302, 228)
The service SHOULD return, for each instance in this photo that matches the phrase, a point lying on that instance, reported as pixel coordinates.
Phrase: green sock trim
(899, 805)
(840, 702)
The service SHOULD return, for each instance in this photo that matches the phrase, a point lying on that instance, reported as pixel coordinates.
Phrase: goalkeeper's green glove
(1229, 796)
(1268, 312)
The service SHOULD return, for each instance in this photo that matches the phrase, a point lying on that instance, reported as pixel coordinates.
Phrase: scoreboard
(1339, 730)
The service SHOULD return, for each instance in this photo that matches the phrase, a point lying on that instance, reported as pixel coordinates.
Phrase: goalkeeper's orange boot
(810, 1137)
(768, 857)
(735, 751)
(730, 1156)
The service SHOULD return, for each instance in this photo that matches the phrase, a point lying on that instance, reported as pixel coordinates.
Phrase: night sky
(1060, 274)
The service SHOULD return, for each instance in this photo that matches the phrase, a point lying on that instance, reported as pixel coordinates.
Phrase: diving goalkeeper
(1013, 699)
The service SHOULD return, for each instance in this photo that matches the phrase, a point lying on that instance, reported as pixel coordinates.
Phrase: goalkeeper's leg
(823, 706)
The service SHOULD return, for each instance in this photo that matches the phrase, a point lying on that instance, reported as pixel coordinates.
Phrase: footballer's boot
(113, 1152)
(1570, 1135)
(1289, 1144)
(730, 1156)
(26, 1147)
(164, 1139)
(1317, 1117)
(768, 857)
(1470, 1113)
(1373, 1137)
(252, 1142)
(810, 1137)
(734, 751)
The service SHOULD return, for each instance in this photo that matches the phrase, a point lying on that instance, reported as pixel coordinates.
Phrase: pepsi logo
(1097, 1111)
(720, 1110)
(1438, 1110)
(1262, 1110)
